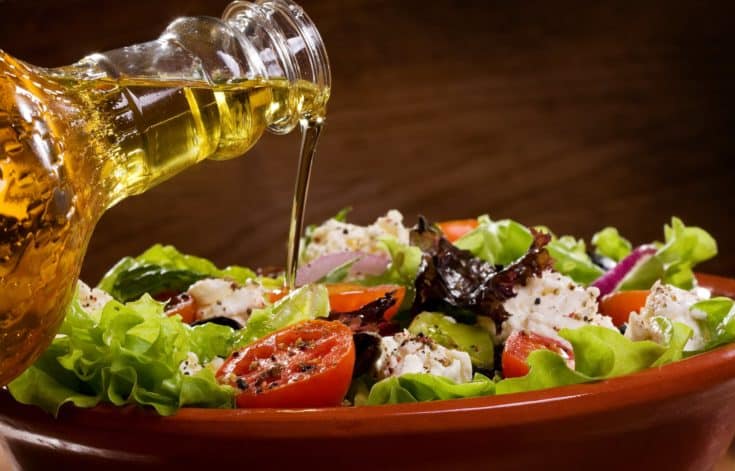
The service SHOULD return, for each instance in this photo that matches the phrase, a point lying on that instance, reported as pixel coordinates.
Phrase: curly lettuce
(674, 261)
(571, 259)
(719, 325)
(420, 387)
(131, 353)
(497, 242)
(609, 243)
(127, 354)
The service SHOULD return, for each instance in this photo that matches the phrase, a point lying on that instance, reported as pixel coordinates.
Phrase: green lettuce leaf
(571, 259)
(683, 248)
(163, 268)
(547, 370)
(128, 354)
(420, 387)
(211, 340)
(341, 215)
(306, 303)
(339, 273)
(676, 336)
(600, 352)
(609, 243)
(498, 243)
(720, 321)
(404, 264)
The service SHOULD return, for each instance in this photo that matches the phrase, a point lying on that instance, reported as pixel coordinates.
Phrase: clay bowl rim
(680, 379)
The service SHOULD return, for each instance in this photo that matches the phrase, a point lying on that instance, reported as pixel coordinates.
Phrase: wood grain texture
(572, 114)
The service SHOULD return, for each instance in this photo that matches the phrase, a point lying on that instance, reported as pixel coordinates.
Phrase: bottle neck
(288, 45)
(266, 41)
(205, 89)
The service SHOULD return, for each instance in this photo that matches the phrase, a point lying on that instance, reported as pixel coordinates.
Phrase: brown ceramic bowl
(681, 416)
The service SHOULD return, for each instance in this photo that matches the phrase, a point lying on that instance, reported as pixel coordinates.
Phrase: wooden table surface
(572, 114)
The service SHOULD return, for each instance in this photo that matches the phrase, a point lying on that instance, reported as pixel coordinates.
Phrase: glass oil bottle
(77, 139)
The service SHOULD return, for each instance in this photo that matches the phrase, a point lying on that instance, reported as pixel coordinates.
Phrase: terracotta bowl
(681, 416)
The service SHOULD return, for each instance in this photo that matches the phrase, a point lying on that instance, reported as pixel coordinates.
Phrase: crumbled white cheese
(674, 304)
(334, 236)
(403, 353)
(92, 300)
(215, 297)
(701, 292)
(190, 366)
(550, 303)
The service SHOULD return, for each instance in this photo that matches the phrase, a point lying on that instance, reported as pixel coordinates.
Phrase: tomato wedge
(619, 305)
(520, 344)
(184, 306)
(308, 364)
(348, 297)
(455, 229)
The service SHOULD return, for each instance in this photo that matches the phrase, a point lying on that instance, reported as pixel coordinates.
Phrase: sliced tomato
(348, 297)
(454, 230)
(520, 344)
(308, 364)
(184, 306)
(619, 305)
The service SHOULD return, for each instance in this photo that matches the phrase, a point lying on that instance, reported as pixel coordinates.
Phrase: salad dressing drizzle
(311, 129)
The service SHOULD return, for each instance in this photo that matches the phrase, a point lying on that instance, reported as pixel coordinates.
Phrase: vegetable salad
(383, 314)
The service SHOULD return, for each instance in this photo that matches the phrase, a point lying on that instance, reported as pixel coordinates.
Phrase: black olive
(220, 320)
(367, 350)
(603, 262)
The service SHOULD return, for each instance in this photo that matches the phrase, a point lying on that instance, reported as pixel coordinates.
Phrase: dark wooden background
(574, 114)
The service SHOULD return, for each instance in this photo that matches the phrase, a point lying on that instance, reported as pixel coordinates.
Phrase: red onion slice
(364, 264)
(610, 281)
(370, 264)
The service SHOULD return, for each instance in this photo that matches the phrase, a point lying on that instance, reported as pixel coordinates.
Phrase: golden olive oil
(71, 147)
(311, 129)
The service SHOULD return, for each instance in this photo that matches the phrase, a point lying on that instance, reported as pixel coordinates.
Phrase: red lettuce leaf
(457, 283)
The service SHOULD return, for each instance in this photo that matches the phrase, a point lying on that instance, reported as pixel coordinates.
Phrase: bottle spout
(288, 45)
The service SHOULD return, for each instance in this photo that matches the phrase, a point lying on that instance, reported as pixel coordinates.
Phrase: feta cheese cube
(334, 236)
(550, 303)
(216, 297)
(672, 303)
(92, 300)
(403, 353)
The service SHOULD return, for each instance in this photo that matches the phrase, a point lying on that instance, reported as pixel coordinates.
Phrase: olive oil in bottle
(76, 140)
